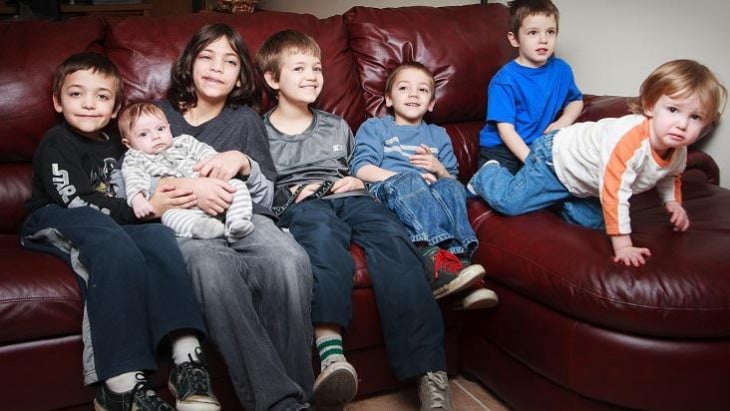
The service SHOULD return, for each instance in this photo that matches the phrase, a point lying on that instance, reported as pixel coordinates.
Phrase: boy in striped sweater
(594, 168)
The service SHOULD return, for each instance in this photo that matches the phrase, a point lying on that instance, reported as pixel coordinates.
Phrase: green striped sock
(330, 350)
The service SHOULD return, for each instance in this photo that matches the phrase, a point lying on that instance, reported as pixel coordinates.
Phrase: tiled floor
(467, 395)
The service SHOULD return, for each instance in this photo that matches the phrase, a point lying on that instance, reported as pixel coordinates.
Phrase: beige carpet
(467, 395)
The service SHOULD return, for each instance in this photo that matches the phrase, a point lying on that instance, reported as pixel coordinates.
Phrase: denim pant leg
(534, 187)
(317, 227)
(585, 212)
(451, 195)
(112, 273)
(171, 303)
(256, 297)
(410, 318)
(409, 196)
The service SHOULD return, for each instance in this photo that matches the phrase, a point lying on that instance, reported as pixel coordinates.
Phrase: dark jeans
(502, 154)
(411, 320)
(256, 296)
(133, 279)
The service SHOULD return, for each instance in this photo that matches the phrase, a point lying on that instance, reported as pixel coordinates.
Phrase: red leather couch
(573, 331)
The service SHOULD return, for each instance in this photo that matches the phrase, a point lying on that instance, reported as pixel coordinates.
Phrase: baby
(153, 154)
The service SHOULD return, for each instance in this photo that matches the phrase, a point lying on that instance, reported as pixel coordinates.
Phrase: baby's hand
(142, 208)
(677, 216)
(632, 256)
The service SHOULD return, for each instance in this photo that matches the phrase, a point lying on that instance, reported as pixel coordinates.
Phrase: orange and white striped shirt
(612, 159)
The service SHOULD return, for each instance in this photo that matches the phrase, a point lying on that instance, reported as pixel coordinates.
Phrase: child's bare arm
(625, 252)
(570, 114)
(513, 141)
(677, 215)
(372, 174)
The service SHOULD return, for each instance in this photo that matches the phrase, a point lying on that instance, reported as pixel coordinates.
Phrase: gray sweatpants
(256, 297)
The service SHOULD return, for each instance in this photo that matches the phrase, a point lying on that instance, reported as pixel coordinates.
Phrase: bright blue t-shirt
(530, 98)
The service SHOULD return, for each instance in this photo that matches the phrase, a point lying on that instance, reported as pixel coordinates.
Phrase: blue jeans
(412, 325)
(433, 213)
(132, 277)
(534, 187)
(256, 296)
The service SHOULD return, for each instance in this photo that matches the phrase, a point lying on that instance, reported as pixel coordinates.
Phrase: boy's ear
(126, 143)
(513, 39)
(431, 105)
(388, 101)
(57, 104)
(269, 78)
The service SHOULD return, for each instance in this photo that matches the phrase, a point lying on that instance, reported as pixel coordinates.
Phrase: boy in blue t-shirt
(527, 94)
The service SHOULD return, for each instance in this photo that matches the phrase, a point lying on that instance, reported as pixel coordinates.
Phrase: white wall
(326, 8)
(613, 44)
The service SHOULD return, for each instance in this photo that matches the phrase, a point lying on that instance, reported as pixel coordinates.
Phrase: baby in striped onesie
(153, 154)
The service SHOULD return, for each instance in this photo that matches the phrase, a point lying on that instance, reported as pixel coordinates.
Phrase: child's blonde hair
(130, 114)
(414, 65)
(270, 55)
(681, 79)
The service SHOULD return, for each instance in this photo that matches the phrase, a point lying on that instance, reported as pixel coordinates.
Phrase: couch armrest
(702, 162)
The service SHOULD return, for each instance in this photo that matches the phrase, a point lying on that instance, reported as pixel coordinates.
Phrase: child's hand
(142, 208)
(677, 216)
(625, 252)
(346, 184)
(306, 192)
(214, 195)
(224, 166)
(424, 159)
(430, 178)
(168, 196)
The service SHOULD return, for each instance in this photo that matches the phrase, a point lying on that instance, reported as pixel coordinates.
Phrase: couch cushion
(39, 295)
(682, 291)
(383, 38)
(29, 55)
(145, 48)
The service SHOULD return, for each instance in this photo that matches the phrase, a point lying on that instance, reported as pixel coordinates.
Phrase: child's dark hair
(269, 56)
(414, 65)
(97, 63)
(680, 79)
(182, 88)
(521, 9)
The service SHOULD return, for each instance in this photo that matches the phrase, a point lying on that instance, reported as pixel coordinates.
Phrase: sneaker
(478, 299)
(446, 274)
(335, 386)
(142, 397)
(190, 385)
(434, 391)
(469, 187)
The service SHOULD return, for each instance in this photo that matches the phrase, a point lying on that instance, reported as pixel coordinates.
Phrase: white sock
(183, 346)
(123, 382)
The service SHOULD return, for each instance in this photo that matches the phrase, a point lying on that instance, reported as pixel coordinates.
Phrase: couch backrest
(463, 45)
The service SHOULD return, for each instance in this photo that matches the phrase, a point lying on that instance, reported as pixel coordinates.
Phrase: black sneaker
(190, 385)
(142, 397)
(446, 274)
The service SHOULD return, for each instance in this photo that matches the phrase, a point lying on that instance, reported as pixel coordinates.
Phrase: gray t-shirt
(321, 152)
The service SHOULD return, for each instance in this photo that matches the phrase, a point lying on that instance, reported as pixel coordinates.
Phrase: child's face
(87, 101)
(535, 40)
(411, 96)
(150, 134)
(300, 79)
(675, 122)
(216, 71)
